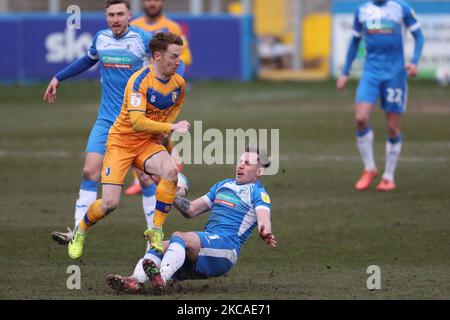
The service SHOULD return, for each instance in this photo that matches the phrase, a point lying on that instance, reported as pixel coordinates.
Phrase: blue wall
(38, 45)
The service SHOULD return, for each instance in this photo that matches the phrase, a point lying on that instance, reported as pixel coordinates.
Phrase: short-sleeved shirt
(383, 27)
(119, 58)
(233, 209)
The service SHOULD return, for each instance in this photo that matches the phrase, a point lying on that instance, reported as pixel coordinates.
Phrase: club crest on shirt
(174, 96)
(243, 193)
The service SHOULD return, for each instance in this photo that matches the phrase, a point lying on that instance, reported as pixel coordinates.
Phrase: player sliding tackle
(382, 23)
(237, 206)
(152, 101)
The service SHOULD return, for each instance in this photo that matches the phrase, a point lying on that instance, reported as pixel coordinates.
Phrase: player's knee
(183, 235)
(177, 234)
(145, 180)
(362, 122)
(393, 131)
(90, 173)
(171, 173)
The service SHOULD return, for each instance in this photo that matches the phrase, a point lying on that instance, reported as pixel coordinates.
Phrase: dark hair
(109, 3)
(263, 159)
(162, 40)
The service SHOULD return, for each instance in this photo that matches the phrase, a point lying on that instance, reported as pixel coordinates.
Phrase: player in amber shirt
(152, 101)
(154, 21)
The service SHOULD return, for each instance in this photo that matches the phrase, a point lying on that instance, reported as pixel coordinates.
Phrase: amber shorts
(119, 158)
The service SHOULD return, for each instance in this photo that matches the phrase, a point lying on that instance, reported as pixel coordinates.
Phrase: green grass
(328, 233)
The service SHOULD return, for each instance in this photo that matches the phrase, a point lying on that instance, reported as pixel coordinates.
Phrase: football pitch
(328, 233)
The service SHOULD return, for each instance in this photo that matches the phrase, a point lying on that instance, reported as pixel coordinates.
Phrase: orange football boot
(134, 189)
(366, 180)
(386, 185)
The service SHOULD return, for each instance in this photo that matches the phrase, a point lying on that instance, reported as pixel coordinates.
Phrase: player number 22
(394, 95)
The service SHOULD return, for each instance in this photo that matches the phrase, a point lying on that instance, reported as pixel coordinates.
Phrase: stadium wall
(39, 45)
(434, 16)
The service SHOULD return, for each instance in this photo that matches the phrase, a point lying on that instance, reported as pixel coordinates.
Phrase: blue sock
(395, 139)
(149, 190)
(363, 132)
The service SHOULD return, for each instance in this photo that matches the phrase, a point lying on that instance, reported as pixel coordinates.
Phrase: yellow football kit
(133, 139)
(149, 108)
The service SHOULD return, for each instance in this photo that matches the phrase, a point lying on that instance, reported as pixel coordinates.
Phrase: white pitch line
(35, 154)
(297, 157)
(341, 158)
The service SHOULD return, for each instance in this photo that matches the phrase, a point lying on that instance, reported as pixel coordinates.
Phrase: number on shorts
(394, 95)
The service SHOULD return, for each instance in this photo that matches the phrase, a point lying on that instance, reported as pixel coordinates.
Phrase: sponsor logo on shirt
(151, 112)
(136, 99)
(121, 62)
(382, 27)
(227, 199)
(224, 202)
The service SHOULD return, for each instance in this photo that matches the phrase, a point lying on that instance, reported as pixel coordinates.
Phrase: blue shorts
(98, 136)
(392, 92)
(216, 257)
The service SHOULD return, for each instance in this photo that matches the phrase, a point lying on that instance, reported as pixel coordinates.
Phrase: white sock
(139, 272)
(364, 141)
(87, 195)
(393, 150)
(148, 204)
(173, 258)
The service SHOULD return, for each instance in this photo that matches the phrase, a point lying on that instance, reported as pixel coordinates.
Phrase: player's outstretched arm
(265, 227)
(190, 209)
(75, 68)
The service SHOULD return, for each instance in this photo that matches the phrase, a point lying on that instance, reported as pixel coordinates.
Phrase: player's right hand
(268, 238)
(181, 127)
(50, 93)
(341, 83)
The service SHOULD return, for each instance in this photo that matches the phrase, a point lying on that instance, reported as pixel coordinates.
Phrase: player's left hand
(411, 69)
(268, 238)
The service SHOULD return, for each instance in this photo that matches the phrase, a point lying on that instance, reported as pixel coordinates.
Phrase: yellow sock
(165, 195)
(94, 214)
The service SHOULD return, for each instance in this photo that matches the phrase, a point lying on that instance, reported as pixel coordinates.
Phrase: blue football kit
(383, 24)
(230, 224)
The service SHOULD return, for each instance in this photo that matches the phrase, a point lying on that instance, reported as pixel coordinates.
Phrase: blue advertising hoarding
(39, 45)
